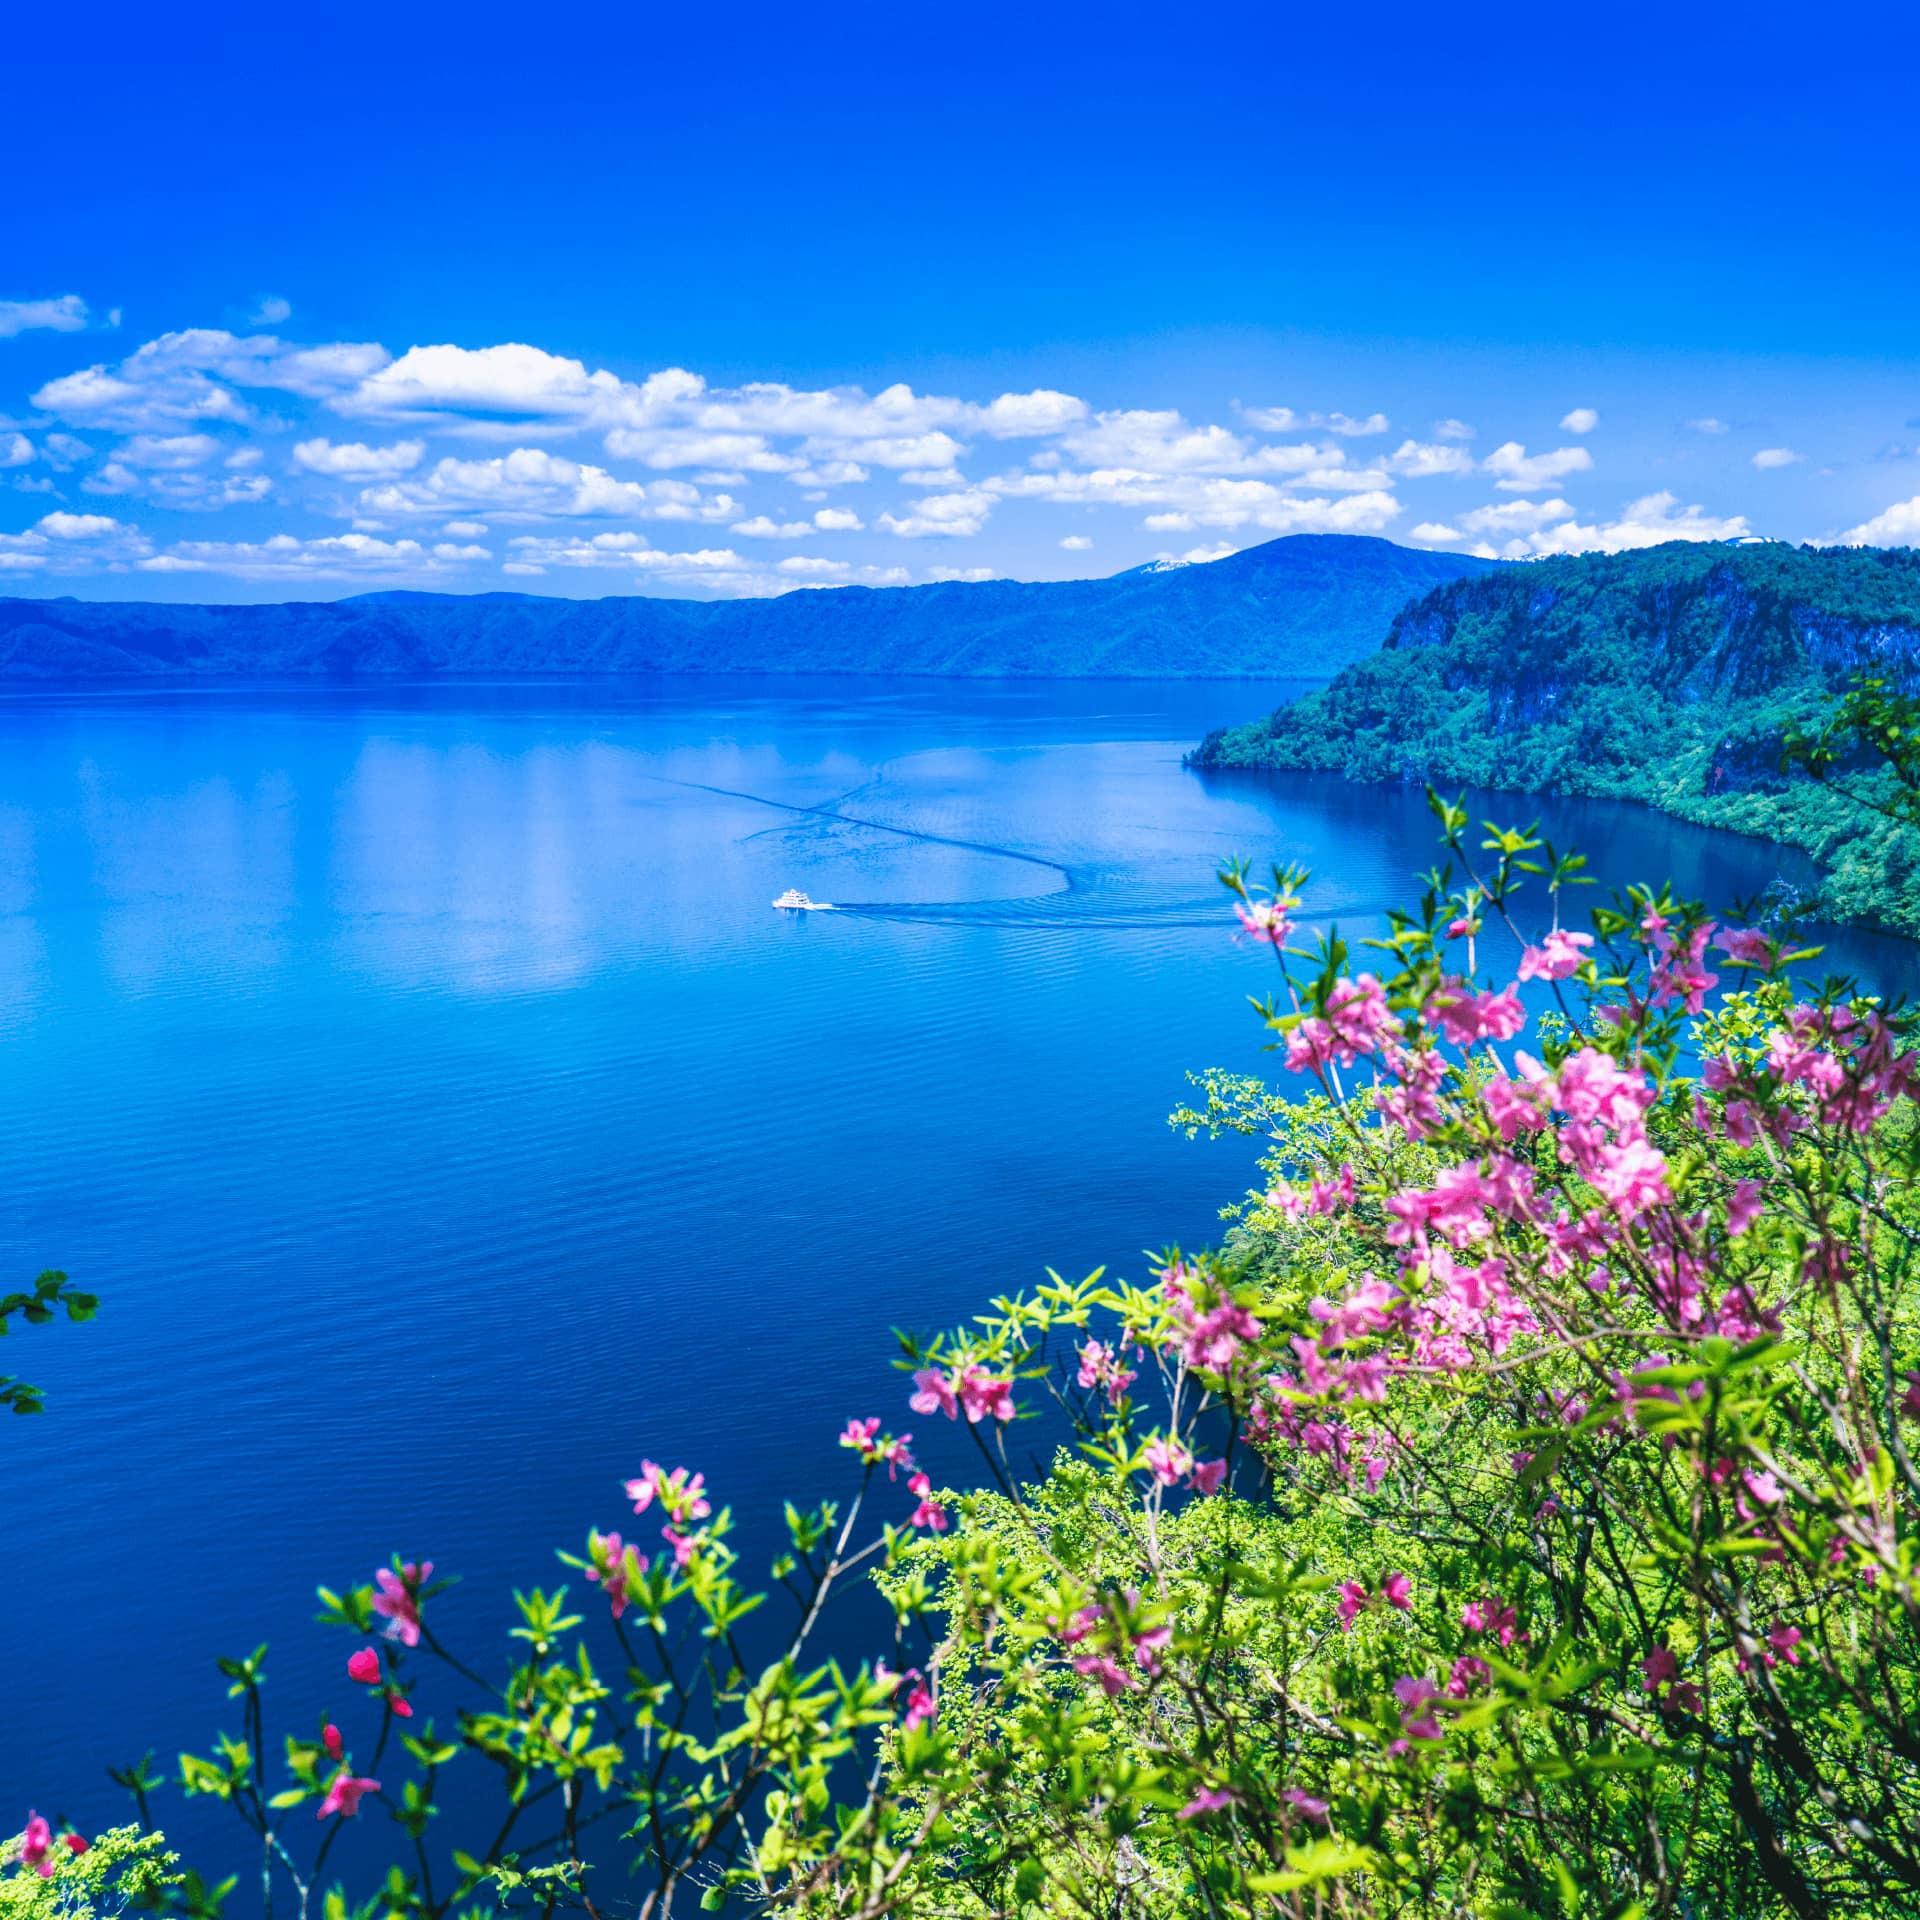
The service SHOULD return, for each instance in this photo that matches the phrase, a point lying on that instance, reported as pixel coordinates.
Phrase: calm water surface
(423, 1081)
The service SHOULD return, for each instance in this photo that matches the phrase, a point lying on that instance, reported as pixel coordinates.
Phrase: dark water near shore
(422, 1080)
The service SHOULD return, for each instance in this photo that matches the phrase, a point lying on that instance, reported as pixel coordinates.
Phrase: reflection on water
(423, 1080)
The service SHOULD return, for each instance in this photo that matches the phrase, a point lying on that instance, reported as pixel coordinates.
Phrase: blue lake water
(423, 1080)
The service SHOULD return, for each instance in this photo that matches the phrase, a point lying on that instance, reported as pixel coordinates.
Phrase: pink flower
(1208, 1800)
(935, 1395)
(1305, 1804)
(876, 1448)
(1113, 1679)
(364, 1667)
(330, 1739)
(1469, 1671)
(399, 1600)
(1783, 1641)
(75, 1843)
(1207, 1476)
(1265, 921)
(929, 1513)
(1353, 1603)
(1100, 1367)
(1557, 957)
(1749, 946)
(1743, 1208)
(920, 1706)
(1415, 1695)
(1397, 1591)
(616, 1567)
(399, 1703)
(1491, 1616)
(344, 1795)
(1168, 1461)
(983, 1395)
(35, 1845)
(683, 1496)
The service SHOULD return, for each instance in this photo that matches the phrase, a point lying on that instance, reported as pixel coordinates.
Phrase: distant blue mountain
(1308, 604)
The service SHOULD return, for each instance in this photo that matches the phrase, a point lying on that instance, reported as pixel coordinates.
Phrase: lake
(422, 1079)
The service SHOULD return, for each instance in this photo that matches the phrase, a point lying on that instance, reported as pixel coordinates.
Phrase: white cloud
(831, 473)
(78, 543)
(1452, 430)
(1286, 420)
(354, 460)
(664, 448)
(512, 386)
(935, 450)
(466, 529)
(64, 452)
(1708, 425)
(1514, 516)
(1647, 522)
(269, 310)
(948, 574)
(78, 526)
(942, 516)
(1155, 441)
(283, 557)
(1434, 533)
(1769, 459)
(1421, 460)
(761, 528)
(838, 520)
(1898, 526)
(172, 452)
(531, 484)
(1580, 420)
(1521, 472)
(799, 563)
(1189, 500)
(190, 376)
(1076, 543)
(1029, 415)
(66, 313)
(16, 450)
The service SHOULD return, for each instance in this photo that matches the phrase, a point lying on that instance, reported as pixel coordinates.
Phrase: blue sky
(731, 301)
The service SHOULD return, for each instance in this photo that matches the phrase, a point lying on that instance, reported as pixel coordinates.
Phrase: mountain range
(1304, 605)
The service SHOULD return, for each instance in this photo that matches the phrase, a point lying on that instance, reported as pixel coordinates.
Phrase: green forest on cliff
(1671, 676)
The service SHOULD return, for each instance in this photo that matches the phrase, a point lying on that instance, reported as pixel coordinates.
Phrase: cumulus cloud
(1770, 459)
(941, 516)
(284, 557)
(1189, 500)
(761, 528)
(16, 450)
(1421, 460)
(1521, 472)
(944, 574)
(1580, 420)
(1646, 522)
(1898, 526)
(170, 451)
(73, 543)
(838, 520)
(1286, 420)
(1708, 425)
(65, 313)
(1452, 430)
(811, 568)
(354, 460)
(532, 484)
(269, 311)
(513, 386)
(1076, 543)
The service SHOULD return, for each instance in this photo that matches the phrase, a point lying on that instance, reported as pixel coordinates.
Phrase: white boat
(797, 902)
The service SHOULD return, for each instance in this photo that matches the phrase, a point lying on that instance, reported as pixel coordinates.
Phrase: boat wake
(1086, 898)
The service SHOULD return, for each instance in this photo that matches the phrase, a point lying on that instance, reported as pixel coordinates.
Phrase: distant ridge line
(1302, 606)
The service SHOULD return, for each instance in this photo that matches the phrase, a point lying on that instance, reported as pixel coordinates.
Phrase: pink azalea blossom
(345, 1793)
(934, 1394)
(330, 1739)
(682, 1495)
(1491, 1616)
(364, 1667)
(1305, 1804)
(1557, 957)
(75, 1843)
(1100, 1367)
(1113, 1678)
(1207, 1476)
(399, 1599)
(983, 1395)
(1265, 920)
(1397, 1591)
(1208, 1800)
(1748, 945)
(1416, 1695)
(1783, 1640)
(1353, 1603)
(616, 1568)
(1168, 1461)
(35, 1846)
(1743, 1208)
(929, 1513)
(920, 1704)
(1469, 1671)
(876, 1448)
